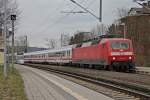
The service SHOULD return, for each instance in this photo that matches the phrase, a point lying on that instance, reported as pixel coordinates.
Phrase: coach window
(63, 53)
(46, 55)
(68, 53)
(59, 54)
(55, 54)
(49, 55)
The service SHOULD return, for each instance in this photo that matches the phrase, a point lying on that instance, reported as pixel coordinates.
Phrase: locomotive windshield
(119, 45)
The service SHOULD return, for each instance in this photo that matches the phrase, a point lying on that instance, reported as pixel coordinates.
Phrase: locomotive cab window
(119, 45)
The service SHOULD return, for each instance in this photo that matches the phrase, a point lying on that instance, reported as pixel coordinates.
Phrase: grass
(11, 88)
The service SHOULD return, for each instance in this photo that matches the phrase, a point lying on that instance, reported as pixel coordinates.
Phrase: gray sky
(42, 19)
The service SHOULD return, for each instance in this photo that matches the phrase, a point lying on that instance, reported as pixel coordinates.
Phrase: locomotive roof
(65, 48)
(96, 41)
(115, 39)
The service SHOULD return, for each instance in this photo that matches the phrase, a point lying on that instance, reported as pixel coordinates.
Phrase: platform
(41, 85)
(143, 69)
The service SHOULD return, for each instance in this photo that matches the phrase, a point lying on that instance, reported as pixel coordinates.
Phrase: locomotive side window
(119, 45)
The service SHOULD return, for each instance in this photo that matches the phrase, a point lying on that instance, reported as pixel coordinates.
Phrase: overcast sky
(42, 19)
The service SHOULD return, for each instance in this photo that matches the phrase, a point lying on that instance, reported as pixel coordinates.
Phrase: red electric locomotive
(105, 52)
(111, 53)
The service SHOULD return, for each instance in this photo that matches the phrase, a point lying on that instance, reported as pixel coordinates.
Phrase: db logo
(121, 50)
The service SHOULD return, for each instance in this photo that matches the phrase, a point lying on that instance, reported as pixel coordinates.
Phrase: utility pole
(5, 36)
(61, 40)
(13, 18)
(26, 44)
(100, 12)
(8, 47)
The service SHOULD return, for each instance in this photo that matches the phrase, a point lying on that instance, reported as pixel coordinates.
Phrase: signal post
(13, 18)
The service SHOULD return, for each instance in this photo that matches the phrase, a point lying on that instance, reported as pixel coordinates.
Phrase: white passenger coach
(59, 55)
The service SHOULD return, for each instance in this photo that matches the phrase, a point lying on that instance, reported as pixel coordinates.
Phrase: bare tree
(51, 43)
(12, 8)
(65, 39)
(79, 37)
(112, 29)
(100, 29)
(122, 12)
(21, 44)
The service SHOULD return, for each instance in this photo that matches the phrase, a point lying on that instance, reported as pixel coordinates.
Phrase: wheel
(107, 68)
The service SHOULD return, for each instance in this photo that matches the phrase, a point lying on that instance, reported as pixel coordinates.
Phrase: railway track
(112, 89)
(143, 72)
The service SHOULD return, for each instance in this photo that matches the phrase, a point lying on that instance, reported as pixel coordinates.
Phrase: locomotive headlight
(130, 58)
(114, 58)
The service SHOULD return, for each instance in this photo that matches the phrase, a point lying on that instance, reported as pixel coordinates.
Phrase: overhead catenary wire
(78, 4)
(77, 12)
(90, 4)
(62, 18)
(59, 20)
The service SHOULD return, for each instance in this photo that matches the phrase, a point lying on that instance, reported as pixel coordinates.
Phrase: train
(19, 59)
(107, 53)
